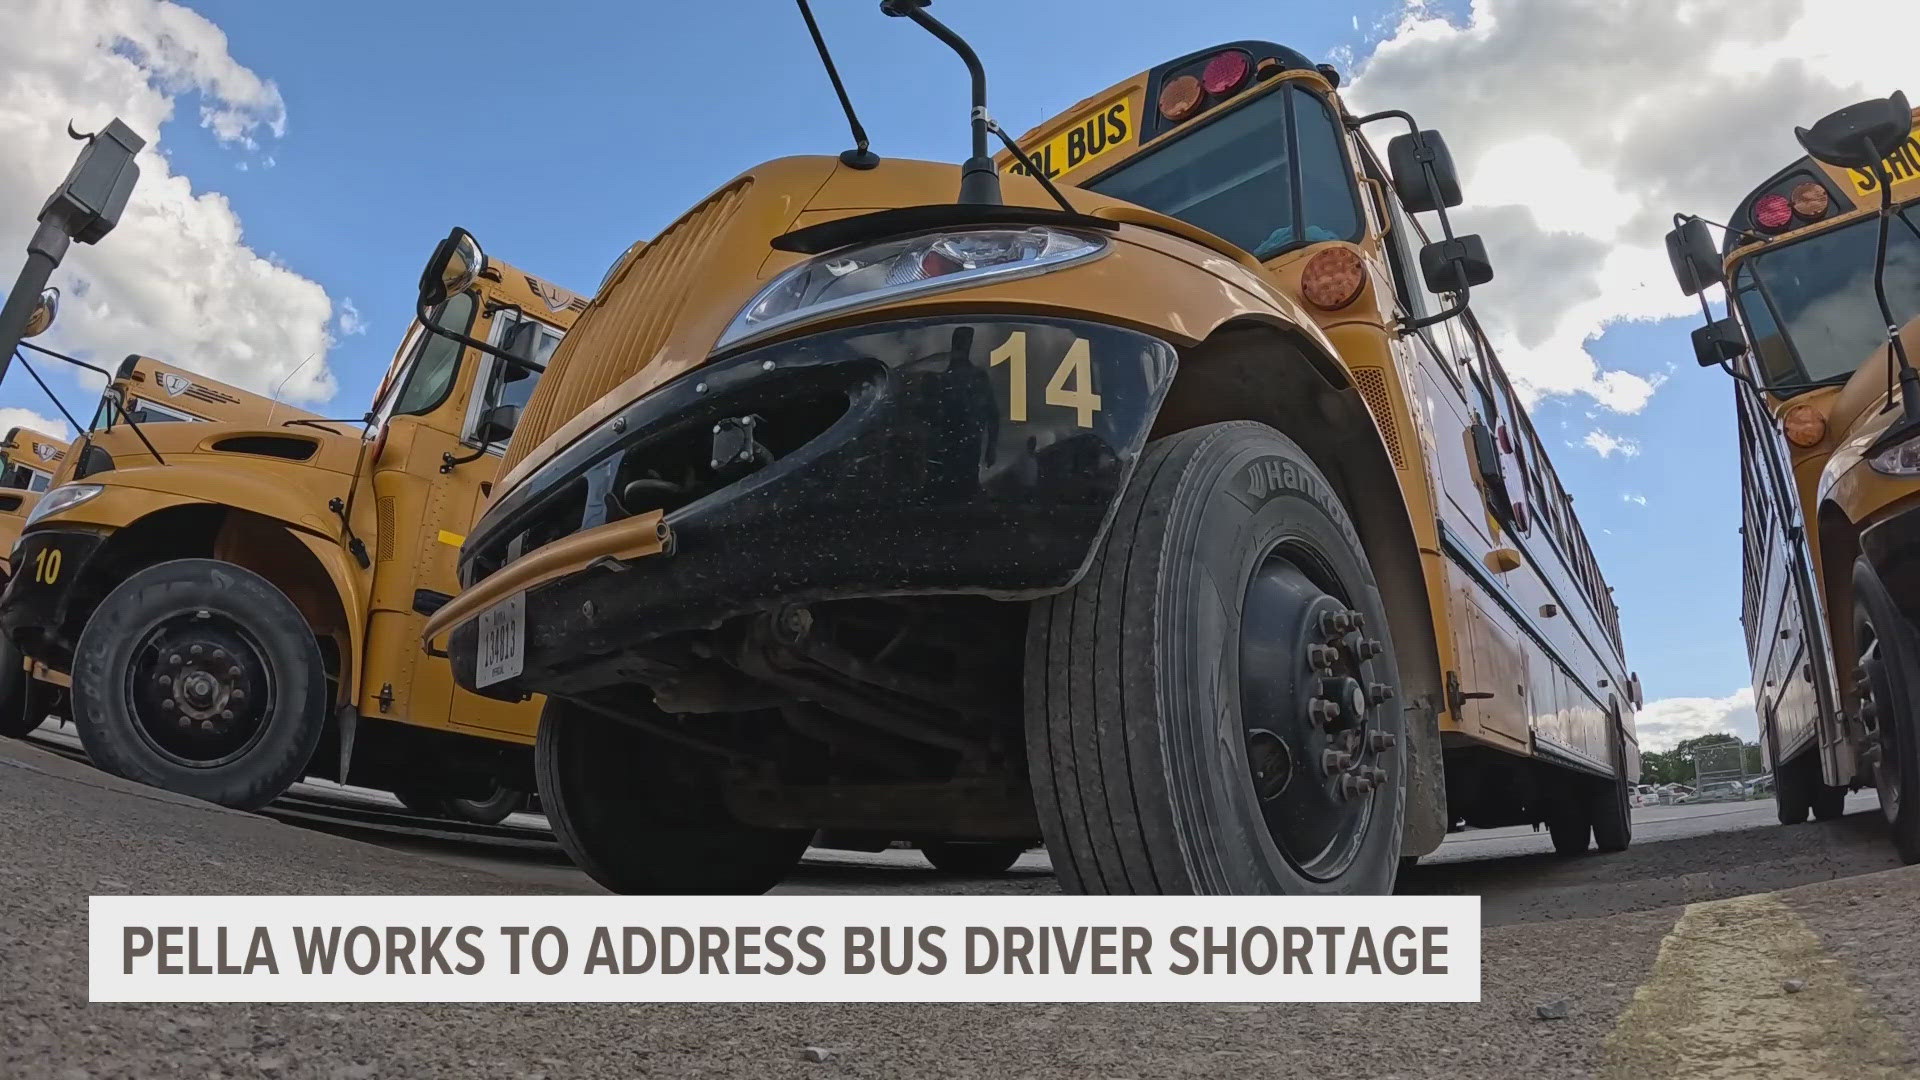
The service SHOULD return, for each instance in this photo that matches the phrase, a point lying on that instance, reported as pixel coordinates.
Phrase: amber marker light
(1810, 200)
(1803, 425)
(1333, 278)
(1181, 98)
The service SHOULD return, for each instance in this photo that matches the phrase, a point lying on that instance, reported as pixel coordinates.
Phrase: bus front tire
(200, 677)
(1887, 689)
(642, 816)
(1189, 701)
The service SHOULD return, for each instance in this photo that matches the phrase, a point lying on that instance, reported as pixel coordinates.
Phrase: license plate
(503, 635)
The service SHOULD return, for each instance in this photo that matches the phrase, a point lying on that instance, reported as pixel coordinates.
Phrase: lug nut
(1370, 648)
(206, 725)
(1379, 692)
(165, 680)
(219, 654)
(1377, 776)
(1334, 761)
(166, 704)
(194, 651)
(234, 672)
(174, 659)
(226, 714)
(1359, 620)
(1321, 657)
(186, 722)
(238, 695)
(1321, 711)
(1382, 740)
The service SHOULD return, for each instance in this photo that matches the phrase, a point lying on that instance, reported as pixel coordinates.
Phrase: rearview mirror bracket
(1462, 259)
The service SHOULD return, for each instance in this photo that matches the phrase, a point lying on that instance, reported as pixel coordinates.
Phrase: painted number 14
(1071, 386)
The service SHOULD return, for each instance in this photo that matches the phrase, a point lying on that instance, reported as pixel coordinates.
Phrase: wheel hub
(1309, 701)
(199, 689)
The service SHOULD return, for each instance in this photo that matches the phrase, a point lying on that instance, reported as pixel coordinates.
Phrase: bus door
(500, 392)
(419, 521)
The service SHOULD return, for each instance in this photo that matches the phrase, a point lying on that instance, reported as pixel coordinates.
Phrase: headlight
(1902, 459)
(861, 276)
(61, 499)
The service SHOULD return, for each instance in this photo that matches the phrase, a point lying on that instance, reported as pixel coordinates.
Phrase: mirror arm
(1459, 308)
(426, 319)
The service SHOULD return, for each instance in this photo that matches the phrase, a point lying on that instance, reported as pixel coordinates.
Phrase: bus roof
(1092, 128)
(1849, 193)
(181, 390)
(37, 444)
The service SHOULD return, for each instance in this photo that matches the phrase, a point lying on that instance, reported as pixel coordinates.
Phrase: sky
(304, 158)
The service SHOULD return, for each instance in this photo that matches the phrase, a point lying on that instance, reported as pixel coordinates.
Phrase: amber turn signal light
(1181, 98)
(1803, 425)
(1810, 200)
(1333, 278)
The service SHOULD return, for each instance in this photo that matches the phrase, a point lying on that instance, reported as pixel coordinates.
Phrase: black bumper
(1892, 547)
(37, 610)
(930, 481)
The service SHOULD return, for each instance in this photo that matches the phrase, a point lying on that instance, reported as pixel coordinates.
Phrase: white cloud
(1630, 497)
(1662, 724)
(350, 320)
(1581, 126)
(176, 279)
(27, 418)
(1608, 445)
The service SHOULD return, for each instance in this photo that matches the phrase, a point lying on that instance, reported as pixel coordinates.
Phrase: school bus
(237, 602)
(1184, 525)
(28, 460)
(151, 392)
(1829, 460)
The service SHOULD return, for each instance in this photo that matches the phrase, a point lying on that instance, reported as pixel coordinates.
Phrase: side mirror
(1718, 341)
(1408, 158)
(1859, 136)
(43, 313)
(455, 264)
(497, 425)
(1696, 264)
(1633, 691)
(1452, 266)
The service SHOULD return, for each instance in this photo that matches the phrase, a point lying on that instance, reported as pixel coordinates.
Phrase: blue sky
(559, 133)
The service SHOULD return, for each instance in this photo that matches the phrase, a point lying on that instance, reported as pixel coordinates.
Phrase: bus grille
(624, 328)
(1372, 384)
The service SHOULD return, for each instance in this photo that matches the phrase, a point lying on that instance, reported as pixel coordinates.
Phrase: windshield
(1244, 179)
(1810, 307)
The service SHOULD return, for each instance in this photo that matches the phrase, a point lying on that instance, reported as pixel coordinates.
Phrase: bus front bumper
(922, 457)
(37, 607)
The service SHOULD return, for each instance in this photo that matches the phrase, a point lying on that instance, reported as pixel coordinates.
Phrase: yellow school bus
(1179, 520)
(151, 392)
(28, 460)
(237, 602)
(1830, 458)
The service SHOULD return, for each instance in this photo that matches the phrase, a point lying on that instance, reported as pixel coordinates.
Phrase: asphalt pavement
(1705, 955)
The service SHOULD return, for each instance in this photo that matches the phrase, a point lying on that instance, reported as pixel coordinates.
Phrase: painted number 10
(1071, 386)
(46, 566)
